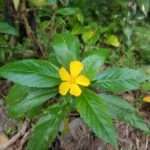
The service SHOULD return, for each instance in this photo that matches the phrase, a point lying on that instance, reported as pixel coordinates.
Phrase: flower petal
(146, 99)
(83, 80)
(76, 68)
(64, 88)
(75, 90)
(64, 74)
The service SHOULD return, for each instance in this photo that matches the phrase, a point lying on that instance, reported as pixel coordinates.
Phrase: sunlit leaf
(113, 40)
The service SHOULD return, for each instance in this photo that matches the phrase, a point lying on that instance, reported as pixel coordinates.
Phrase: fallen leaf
(3, 139)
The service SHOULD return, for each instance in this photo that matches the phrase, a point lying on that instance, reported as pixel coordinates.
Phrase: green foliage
(89, 33)
(16, 93)
(93, 62)
(46, 128)
(7, 29)
(67, 11)
(52, 1)
(146, 86)
(113, 41)
(32, 73)
(120, 79)
(66, 48)
(95, 113)
(27, 100)
(142, 41)
(122, 110)
(103, 35)
(144, 6)
(39, 3)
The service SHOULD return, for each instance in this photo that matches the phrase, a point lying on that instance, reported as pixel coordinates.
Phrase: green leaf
(94, 112)
(31, 73)
(113, 41)
(77, 29)
(80, 17)
(88, 34)
(7, 29)
(122, 110)
(93, 62)
(144, 6)
(146, 86)
(142, 40)
(16, 93)
(120, 79)
(46, 129)
(52, 2)
(30, 101)
(67, 11)
(91, 33)
(117, 106)
(66, 47)
(39, 3)
(137, 122)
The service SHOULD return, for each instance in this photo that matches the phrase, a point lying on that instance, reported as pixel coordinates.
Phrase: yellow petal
(75, 90)
(64, 74)
(75, 68)
(146, 99)
(82, 80)
(64, 88)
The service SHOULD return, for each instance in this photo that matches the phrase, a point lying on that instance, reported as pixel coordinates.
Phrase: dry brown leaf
(3, 139)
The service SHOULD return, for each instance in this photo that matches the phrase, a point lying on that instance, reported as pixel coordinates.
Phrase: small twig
(15, 137)
(146, 144)
(23, 140)
(137, 143)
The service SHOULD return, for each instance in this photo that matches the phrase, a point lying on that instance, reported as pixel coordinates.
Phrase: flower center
(72, 80)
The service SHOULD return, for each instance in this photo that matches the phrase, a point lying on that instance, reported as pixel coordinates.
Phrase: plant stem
(37, 45)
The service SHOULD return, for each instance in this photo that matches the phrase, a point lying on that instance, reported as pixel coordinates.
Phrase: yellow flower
(72, 80)
(146, 99)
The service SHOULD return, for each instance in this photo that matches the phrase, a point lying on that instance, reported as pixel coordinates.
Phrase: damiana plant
(71, 80)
